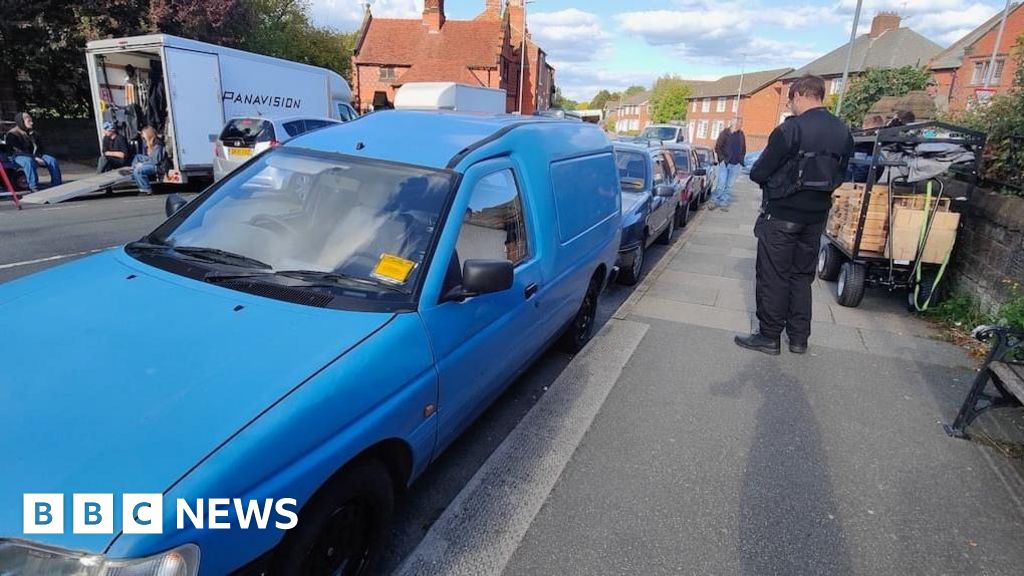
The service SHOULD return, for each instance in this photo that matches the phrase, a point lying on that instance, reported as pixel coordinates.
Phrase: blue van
(304, 337)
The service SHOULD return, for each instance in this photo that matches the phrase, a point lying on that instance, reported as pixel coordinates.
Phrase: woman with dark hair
(29, 152)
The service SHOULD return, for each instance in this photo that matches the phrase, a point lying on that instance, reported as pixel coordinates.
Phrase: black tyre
(850, 291)
(581, 329)
(929, 290)
(631, 276)
(830, 260)
(682, 215)
(670, 230)
(343, 529)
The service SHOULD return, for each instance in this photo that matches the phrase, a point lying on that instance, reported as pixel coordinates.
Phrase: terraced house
(753, 96)
(485, 51)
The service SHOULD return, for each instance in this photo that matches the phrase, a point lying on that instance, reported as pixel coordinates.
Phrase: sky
(612, 44)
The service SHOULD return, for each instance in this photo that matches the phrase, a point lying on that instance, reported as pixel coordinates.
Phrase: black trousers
(787, 254)
(107, 164)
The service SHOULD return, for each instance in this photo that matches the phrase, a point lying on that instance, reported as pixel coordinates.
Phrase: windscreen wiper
(221, 256)
(338, 277)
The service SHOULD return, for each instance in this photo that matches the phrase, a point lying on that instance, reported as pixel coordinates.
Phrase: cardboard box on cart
(906, 235)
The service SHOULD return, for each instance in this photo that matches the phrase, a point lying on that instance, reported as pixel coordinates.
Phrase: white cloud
(571, 35)
(348, 14)
(582, 82)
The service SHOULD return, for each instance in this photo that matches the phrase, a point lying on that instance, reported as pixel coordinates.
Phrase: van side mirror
(482, 277)
(174, 203)
(665, 190)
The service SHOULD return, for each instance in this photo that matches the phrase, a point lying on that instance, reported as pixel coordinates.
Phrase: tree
(600, 99)
(633, 91)
(870, 87)
(668, 99)
(560, 101)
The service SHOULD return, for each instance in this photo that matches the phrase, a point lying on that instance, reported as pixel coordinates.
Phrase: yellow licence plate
(242, 152)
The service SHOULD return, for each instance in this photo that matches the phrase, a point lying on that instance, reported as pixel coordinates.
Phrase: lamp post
(849, 57)
(995, 49)
(522, 60)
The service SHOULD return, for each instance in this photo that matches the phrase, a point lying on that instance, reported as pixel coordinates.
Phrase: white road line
(52, 258)
(482, 528)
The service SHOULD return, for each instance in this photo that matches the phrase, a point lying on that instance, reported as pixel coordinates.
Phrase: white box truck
(203, 86)
(450, 96)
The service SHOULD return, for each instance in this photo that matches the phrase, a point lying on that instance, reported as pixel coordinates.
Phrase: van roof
(435, 139)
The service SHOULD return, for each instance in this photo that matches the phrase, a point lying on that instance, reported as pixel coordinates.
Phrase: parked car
(665, 133)
(706, 157)
(649, 203)
(319, 325)
(689, 178)
(243, 138)
(750, 159)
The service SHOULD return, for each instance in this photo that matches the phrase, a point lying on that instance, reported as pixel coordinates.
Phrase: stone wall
(989, 257)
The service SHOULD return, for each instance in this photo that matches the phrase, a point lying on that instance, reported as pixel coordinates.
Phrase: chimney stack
(433, 14)
(492, 6)
(883, 22)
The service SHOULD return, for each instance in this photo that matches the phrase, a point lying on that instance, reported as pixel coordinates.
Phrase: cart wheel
(851, 284)
(930, 289)
(830, 260)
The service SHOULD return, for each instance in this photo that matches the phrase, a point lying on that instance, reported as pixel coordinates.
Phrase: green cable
(925, 227)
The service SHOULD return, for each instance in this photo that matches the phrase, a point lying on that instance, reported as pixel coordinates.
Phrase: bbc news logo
(144, 513)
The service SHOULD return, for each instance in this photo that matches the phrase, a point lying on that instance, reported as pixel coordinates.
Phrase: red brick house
(485, 51)
(961, 69)
(753, 96)
(887, 45)
(634, 113)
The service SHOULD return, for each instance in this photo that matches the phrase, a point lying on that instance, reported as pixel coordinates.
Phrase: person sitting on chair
(115, 152)
(147, 164)
(29, 153)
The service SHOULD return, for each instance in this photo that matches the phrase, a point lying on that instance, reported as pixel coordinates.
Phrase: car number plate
(241, 152)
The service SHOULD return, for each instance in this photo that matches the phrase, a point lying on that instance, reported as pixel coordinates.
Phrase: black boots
(760, 343)
(798, 347)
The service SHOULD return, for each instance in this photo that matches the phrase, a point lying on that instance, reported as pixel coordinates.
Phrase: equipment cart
(897, 228)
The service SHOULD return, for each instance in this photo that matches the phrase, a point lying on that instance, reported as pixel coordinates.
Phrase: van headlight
(19, 558)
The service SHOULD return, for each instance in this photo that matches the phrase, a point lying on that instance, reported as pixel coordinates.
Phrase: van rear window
(586, 193)
(247, 132)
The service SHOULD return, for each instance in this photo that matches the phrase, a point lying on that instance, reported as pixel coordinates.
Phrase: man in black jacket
(115, 153)
(805, 161)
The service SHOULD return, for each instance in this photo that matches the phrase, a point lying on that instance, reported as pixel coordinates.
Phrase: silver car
(243, 138)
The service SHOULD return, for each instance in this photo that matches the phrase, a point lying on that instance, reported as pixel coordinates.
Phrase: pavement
(664, 449)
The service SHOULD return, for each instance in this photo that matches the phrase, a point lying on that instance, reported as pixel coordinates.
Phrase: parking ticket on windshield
(391, 268)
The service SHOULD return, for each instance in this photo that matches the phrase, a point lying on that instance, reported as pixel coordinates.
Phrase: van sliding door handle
(531, 290)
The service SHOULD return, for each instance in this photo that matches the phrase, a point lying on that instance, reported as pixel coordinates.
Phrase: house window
(736, 104)
(981, 70)
(720, 104)
(387, 73)
(836, 86)
(702, 129)
(717, 128)
(694, 105)
(705, 105)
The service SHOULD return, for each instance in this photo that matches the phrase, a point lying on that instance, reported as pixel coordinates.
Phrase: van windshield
(660, 133)
(298, 210)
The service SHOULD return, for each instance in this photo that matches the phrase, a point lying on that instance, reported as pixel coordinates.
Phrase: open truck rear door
(196, 110)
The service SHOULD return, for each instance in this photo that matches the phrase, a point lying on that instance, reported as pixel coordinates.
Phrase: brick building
(887, 45)
(961, 69)
(485, 51)
(634, 113)
(753, 96)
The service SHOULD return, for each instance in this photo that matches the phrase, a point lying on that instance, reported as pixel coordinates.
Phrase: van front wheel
(343, 529)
